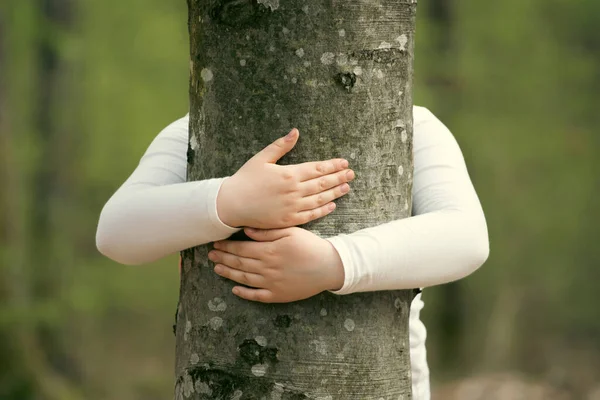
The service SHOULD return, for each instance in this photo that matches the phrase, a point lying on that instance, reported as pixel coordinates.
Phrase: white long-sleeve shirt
(156, 213)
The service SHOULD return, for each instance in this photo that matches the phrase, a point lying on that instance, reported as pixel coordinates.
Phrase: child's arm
(156, 213)
(446, 240)
(138, 224)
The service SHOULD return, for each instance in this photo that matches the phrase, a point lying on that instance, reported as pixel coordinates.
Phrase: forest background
(86, 85)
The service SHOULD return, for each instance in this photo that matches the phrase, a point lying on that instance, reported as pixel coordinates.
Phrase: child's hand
(262, 194)
(282, 266)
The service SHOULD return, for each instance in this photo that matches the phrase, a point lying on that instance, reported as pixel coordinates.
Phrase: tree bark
(341, 72)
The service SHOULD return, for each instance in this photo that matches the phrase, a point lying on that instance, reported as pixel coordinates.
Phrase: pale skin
(284, 263)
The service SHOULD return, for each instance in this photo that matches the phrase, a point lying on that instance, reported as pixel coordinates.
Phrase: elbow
(481, 252)
(475, 246)
(480, 248)
(104, 245)
(110, 244)
(109, 248)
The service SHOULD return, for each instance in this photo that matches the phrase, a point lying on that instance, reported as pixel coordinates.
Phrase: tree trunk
(341, 72)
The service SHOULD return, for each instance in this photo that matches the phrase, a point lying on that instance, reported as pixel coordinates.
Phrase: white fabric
(156, 213)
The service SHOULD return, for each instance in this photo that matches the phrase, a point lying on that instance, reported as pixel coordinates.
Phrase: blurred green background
(85, 86)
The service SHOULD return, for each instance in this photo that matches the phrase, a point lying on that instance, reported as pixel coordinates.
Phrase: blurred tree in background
(86, 85)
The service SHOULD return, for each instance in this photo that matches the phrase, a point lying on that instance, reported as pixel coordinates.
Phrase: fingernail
(218, 269)
(235, 290)
(345, 164)
(290, 136)
(350, 174)
(345, 188)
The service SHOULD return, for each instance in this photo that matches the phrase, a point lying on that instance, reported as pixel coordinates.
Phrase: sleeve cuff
(342, 250)
(222, 228)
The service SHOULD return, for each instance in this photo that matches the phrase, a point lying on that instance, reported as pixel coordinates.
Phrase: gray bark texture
(341, 72)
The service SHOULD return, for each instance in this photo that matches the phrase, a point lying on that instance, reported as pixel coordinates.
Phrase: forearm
(144, 223)
(420, 251)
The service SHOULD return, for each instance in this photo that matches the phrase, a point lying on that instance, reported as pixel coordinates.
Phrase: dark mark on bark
(282, 321)
(224, 384)
(176, 315)
(347, 79)
(269, 354)
(252, 353)
(190, 154)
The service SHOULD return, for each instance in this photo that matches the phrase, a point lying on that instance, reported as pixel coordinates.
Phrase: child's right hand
(265, 195)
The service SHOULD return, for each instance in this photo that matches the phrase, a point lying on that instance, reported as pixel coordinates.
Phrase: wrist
(226, 205)
(335, 268)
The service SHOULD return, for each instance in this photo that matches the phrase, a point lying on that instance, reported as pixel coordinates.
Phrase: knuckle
(287, 175)
(270, 251)
(320, 167)
(262, 297)
(286, 219)
(319, 200)
(245, 277)
(322, 183)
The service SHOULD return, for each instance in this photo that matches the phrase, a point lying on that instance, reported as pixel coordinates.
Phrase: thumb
(273, 152)
(266, 235)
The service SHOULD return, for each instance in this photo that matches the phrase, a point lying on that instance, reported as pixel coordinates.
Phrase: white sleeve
(445, 240)
(156, 212)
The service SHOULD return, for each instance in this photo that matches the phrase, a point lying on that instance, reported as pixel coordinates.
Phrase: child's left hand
(282, 266)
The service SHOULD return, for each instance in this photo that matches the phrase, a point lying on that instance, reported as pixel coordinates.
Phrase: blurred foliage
(85, 86)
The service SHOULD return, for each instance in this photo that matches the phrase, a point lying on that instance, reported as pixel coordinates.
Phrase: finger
(240, 248)
(320, 199)
(309, 215)
(236, 262)
(260, 295)
(315, 169)
(326, 182)
(267, 235)
(243, 277)
(273, 152)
